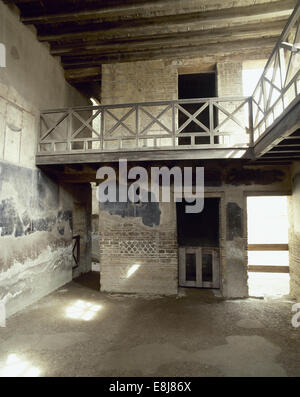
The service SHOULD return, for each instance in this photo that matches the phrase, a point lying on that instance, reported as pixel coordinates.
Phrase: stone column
(234, 272)
(294, 232)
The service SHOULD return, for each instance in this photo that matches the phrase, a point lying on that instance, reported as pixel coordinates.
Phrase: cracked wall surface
(294, 232)
(35, 237)
(35, 218)
(139, 257)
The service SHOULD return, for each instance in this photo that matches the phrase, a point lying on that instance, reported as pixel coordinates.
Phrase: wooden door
(199, 267)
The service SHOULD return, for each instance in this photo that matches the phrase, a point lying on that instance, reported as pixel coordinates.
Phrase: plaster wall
(145, 239)
(36, 219)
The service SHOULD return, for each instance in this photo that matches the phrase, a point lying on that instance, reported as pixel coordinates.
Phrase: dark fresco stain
(34, 190)
(8, 217)
(212, 177)
(240, 176)
(12, 224)
(62, 218)
(234, 215)
(149, 212)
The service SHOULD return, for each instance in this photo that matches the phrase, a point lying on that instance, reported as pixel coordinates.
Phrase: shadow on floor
(90, 280)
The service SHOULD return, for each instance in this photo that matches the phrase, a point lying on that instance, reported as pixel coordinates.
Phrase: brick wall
(148, 81)
(139, 258)
(153, 81)
(230, 79)
(230, 84)
(145, 81)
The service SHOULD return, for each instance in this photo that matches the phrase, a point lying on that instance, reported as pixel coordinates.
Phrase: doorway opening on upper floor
(191, 86)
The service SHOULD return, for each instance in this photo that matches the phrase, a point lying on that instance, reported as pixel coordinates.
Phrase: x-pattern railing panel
(118, 122)
(190, 123)
(155, 120)
(192, 117)
(231, 115)
(54, 125)
(148, 125)
(86, 123)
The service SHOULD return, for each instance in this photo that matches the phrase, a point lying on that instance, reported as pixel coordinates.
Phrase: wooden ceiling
(89, 33)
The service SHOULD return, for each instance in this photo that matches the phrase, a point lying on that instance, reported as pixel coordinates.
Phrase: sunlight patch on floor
(16, 367)
(81, 310)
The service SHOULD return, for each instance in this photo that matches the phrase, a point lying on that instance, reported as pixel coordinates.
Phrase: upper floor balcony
(204, 128)
(195, 128)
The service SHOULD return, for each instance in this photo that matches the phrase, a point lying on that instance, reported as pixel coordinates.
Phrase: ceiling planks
(88, 33)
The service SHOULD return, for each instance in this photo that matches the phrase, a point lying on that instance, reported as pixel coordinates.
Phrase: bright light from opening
(82, 310)
(94, 101)
(265, 258)
(268, 224)
(267, 220)
(272, 284)
(250, 80)
(15, 367)
(132, 270)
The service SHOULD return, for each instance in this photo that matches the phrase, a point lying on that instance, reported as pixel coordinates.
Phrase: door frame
(260, 193)
(215, 283)
(221, 196)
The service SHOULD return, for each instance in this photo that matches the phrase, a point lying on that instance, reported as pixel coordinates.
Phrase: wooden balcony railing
(279, 86)
(179, 124)
(205, 123)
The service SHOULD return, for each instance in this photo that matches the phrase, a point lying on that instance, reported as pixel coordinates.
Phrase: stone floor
(78, 331)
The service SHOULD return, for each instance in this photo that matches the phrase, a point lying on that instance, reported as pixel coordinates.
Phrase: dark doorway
(190, 86)
(199, 230)
(200, 85)
(198, 241)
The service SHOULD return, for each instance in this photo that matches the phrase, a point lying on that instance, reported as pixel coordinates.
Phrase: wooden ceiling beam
(89, 33)
(125, 10)
(186, 22)
(157, 8)
(174, 40)
(83, 74)
(19, 2)
(215, 50)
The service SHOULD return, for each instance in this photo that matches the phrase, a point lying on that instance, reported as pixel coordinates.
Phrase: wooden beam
(268, 269)
(289, 146)
(275, 151)
(291, 47)
(108, 12)
(83, 74)
(122, 34)
(268, 247)
(200, 68)
(159, 25)
(233, 47)
(287, 123)
(280, 158)
(292, 137)
(203, 36)
(157, 8)
(17, 2)
(142, 155)
(235, 56)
